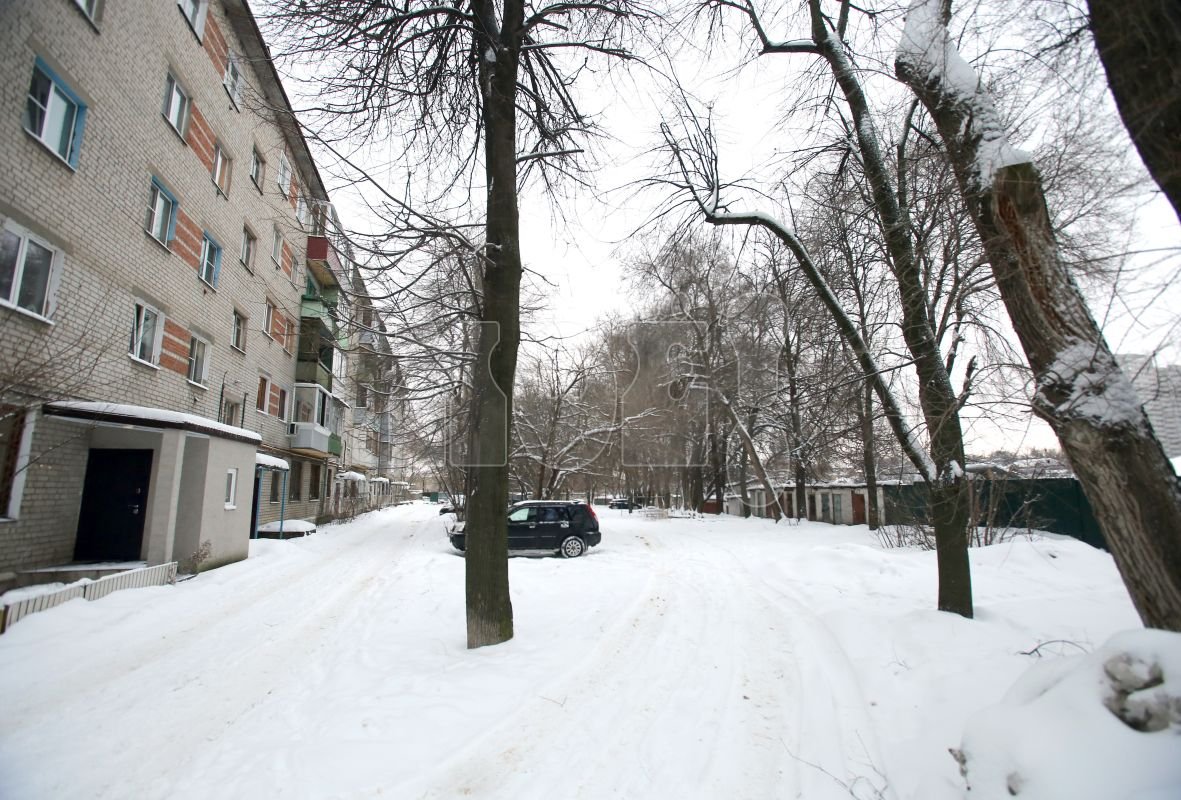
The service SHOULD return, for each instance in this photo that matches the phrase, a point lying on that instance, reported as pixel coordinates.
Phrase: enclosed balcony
(313, 363)
(315, 426)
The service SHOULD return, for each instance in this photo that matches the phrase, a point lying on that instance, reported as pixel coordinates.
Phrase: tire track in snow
(679, 700)
(270, 630)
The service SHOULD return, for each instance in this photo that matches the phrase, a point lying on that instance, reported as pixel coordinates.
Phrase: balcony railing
(313, 437)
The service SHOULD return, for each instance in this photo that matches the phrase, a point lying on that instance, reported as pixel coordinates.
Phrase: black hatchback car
(569, 528)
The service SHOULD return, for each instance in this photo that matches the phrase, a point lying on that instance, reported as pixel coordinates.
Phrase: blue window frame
(54, 113)
(210, 260)
(162, 207)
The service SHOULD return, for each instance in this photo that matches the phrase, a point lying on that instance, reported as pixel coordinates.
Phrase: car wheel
(572, 547)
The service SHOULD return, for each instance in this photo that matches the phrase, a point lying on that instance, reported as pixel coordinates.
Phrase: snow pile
(1102, 725)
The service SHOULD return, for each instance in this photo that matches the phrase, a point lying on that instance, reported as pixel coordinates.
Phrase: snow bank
(1102, 725)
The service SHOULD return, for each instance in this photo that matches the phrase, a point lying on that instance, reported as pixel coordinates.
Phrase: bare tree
(1081, 392)
(457, 82)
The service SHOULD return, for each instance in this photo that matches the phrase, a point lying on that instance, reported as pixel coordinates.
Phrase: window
(221, 168)
(176, 104)
(268, 319)
(362, 395)
(194, 14)
(231, 413)
(231, 487)
(281, 412)
(258, 168)
(89, 8)
(210, 260)
(302, 210)
(283, 179)
(26, 270)
(247, 254)
(277, 248)
(275, 478)
(198, 360)
(161, 214)
(314, 482)
(238, 333)
(264, 393)
(233, 80)
(12, 435)
(146, 333)
(54, 114)
(294, 480)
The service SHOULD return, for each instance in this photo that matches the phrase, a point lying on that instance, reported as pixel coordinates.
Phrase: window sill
(24, 312)
(56, 155)
(237, 349)
(230, 507)
(179, 133)
(143, 363)
(211, 287)
(162, 245)
(196, 385)
(257, 185)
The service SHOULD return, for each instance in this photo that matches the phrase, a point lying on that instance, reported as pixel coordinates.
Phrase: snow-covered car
(546, 525)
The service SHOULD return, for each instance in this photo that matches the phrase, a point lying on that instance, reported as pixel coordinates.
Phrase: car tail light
(591, 509)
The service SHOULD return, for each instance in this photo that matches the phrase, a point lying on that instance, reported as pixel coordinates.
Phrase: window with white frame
(238, 332)
(54, 114)
(268, 319)
(221, 168)
(264, 393)
(162, 206)
(231, 413)
(28, 267)
(246, 256)
(258, 168)
(12, 443)
(198, 360)
(210, 260)
(302, 210)
(233, 78)
(194, 13)
(277, 247)
(146, 334)
(283, 178)
(231, 488)
(176, 104)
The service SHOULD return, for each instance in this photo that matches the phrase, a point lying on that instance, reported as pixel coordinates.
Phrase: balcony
(313, 362)
(308, 438)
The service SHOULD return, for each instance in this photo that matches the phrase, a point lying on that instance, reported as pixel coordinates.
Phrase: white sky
(581, 250)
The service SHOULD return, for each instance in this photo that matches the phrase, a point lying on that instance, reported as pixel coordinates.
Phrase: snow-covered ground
(715, 658)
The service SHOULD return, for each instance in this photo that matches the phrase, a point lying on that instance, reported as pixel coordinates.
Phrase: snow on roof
(351, 476)
(288, 526)
(379, 480)
(142, 414)
(270, 462)
(1176, 462)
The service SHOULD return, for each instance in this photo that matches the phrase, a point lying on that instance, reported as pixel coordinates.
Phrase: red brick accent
(215, 45)
(187, 243)
(200, 137)
(288, 258)
(174, 352)
(273, 402)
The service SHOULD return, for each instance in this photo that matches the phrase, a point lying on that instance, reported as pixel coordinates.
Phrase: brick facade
(94, 215)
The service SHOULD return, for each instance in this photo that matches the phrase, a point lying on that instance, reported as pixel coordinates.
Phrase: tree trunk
(1139, 42)
(1082, 393)
(937, 398)
(489, 608)
(869, 458)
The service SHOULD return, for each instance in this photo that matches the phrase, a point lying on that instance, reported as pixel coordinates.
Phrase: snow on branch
(926, 53)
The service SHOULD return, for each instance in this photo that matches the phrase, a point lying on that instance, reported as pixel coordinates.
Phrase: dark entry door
(858, 509)
(114, 505)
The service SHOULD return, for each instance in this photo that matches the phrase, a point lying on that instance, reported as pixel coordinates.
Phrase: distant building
(1159, 387)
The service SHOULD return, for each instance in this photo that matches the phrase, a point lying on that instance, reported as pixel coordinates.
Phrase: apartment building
(167, 288)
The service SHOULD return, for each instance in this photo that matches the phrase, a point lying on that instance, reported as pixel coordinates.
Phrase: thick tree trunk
(489, 608)
(940, 406)
(1081, 391)
(1139, 42)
